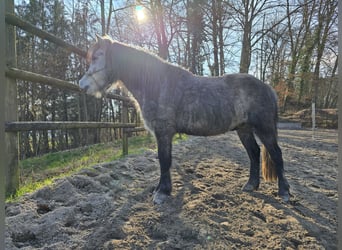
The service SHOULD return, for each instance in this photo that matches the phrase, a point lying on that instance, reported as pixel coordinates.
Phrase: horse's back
(214, 105)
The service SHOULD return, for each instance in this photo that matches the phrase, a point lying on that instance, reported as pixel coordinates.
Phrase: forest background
(290, 44)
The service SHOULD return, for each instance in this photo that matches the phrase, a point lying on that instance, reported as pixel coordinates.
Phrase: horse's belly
(204, 123)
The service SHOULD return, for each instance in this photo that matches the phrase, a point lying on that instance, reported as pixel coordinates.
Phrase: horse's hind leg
(269, 138)
(247, 138)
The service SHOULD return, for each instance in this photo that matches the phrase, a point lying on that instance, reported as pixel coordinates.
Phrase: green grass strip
(41, 171)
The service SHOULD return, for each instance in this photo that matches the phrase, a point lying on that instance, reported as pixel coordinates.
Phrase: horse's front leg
(163, 190)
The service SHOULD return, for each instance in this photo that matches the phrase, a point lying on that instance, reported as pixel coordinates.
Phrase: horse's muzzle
(85, 88)
(84, 83)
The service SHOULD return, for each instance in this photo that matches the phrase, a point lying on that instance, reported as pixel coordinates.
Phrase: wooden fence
(8, 88)
(2, 125)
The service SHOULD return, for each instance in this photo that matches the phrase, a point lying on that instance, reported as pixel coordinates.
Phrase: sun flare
(140, 13)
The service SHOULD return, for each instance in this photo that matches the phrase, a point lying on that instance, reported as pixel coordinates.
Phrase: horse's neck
(144, 75)
(139, 80)
(132, 85)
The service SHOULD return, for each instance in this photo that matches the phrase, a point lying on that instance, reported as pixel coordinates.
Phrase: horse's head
(98, 76)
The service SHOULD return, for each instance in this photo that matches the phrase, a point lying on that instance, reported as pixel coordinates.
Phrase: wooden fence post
(10, 112)
(124, 117)
(2, 125)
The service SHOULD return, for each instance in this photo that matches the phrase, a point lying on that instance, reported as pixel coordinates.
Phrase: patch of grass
(41, 171)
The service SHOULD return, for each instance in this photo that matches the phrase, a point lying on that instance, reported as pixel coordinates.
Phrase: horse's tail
(267, 166)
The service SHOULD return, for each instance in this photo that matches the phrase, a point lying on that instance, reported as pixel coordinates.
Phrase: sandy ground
(110, 206)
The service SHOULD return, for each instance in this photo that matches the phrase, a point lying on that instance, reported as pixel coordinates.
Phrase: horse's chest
(157, 116)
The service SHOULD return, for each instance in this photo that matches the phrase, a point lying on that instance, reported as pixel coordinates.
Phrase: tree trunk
(159, 26)
(103, 22)
(325, 18)
(220, 37)
(246, 48)
(245, 59)
(216, 65)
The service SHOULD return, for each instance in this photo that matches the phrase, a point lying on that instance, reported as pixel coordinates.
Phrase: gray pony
(173, 100)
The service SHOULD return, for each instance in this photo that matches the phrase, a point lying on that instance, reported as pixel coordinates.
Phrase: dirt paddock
(109, 206)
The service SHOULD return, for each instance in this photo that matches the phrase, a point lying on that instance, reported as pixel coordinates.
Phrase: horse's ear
(98, 38)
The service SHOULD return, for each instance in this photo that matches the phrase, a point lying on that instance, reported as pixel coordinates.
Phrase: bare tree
(246, 14)
(327, 15)
(159, 26)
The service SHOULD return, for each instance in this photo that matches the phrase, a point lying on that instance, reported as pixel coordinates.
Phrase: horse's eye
(94, 58)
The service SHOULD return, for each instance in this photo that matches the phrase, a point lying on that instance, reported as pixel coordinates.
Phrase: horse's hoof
(284, 191)
(159, 198)
(285, 197)
(248, 187)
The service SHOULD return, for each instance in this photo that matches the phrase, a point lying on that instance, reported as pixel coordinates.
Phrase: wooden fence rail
(53, 82)
(11, 126)
(34, 125)
(16, 21)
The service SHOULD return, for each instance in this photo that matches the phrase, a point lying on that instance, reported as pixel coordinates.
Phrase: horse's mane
(141, 69)
(142, 56)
